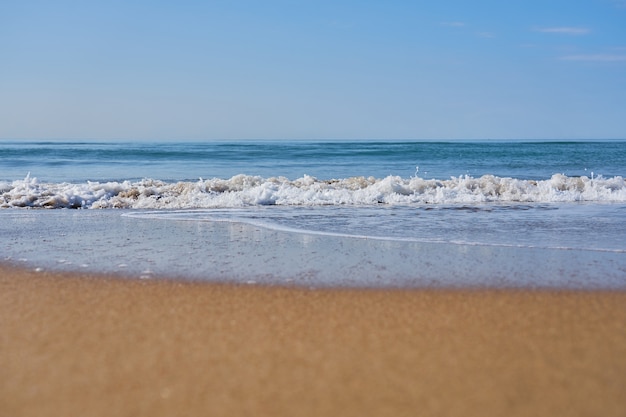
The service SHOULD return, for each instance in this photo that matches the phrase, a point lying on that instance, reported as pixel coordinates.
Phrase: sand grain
(96, 346)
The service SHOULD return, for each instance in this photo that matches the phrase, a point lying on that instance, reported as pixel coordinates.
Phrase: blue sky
(200, 70)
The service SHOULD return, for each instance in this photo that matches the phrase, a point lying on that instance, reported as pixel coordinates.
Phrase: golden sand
(96, 346)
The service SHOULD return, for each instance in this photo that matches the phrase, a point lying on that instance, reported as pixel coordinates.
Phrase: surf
(247, 190)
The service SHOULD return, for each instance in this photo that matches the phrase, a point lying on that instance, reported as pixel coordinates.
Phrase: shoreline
(91, 344)
(107, 241)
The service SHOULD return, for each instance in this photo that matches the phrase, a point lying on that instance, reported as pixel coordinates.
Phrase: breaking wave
(244, 190)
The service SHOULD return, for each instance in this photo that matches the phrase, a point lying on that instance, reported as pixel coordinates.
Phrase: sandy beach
(74, 345)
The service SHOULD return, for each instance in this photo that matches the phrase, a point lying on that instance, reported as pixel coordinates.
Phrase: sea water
(400, 214)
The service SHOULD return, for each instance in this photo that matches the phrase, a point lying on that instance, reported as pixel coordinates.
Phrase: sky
(229, 70)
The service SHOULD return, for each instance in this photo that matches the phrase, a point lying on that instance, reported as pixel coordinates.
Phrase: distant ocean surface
(219, 175)
(550, 195)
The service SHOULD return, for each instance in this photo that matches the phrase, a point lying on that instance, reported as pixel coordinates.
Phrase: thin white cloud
(620, 4)
(486, 34)
(565, 30)
(595, 58)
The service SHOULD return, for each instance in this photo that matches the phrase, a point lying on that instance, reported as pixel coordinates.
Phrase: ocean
(321, 213)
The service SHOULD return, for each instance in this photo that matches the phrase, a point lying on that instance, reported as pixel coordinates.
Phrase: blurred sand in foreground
(96, 346)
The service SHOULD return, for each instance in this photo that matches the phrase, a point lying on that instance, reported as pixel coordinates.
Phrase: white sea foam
(243, 190)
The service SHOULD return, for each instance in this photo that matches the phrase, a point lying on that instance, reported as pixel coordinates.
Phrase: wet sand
(95, 346)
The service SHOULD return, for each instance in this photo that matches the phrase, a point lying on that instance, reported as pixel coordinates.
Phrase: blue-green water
(117, 161)
(322, 213)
